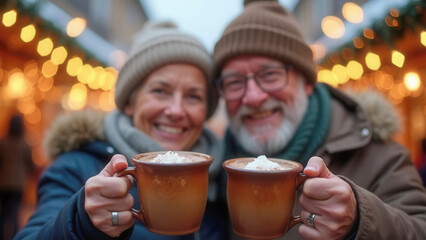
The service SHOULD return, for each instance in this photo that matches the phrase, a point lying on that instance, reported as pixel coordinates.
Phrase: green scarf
(308, 137)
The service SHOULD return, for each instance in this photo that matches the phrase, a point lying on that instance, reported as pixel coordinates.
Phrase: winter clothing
(16, 166)
(265, 28)
(60, 212)
(159, 44)
(390, 196)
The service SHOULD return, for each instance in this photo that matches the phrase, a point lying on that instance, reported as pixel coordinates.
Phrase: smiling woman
(164, 94)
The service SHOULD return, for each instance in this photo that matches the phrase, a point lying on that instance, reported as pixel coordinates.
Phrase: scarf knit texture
(306, 140)
(129, 141)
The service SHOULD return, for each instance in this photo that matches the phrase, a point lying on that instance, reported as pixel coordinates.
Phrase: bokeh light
(333, 27)
(352, 12)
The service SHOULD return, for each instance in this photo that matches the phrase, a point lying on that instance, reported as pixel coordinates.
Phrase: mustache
(266, 106)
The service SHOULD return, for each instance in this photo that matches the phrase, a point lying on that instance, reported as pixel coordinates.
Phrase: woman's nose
(175, 108)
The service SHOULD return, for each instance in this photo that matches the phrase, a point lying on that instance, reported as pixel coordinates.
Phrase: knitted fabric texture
(265, 28)
(159, 44)
(308, 137)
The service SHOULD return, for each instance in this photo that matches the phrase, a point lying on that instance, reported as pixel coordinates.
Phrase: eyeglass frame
(253, 76)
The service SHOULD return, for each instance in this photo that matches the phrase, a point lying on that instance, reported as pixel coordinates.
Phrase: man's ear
(309, 88)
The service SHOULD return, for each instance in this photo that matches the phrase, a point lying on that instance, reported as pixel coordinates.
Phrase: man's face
(265, 122)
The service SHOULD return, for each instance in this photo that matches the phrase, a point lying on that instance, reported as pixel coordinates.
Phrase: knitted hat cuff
(263, 40)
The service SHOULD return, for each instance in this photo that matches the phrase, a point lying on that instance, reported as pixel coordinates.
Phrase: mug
(261, 202)
(172, 196)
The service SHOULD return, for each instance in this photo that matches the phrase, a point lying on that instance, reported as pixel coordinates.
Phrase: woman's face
(171, 105)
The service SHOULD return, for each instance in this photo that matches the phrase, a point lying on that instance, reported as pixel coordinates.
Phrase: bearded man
(362, 184)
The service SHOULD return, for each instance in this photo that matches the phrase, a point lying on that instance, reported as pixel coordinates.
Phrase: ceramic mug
(261, 202)
(172, 196)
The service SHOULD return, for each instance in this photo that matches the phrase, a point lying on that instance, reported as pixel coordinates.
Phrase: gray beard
(293, 116)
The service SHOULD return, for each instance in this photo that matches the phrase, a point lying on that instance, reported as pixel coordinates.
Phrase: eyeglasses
(270, 79)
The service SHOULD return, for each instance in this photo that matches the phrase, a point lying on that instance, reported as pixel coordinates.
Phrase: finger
(121, 204)
(118, 162)
(308, 232)
(319, 188)
(317, 168)
(304, 215)
(125, 218)
(107, 187)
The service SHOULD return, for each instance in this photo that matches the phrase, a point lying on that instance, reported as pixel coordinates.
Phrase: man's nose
(254, 96)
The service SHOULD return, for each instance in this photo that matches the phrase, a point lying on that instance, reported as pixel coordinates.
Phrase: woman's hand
(106, 194)
(331, 199)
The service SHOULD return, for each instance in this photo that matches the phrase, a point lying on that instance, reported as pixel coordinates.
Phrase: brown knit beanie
(265, 28)
(159, 44)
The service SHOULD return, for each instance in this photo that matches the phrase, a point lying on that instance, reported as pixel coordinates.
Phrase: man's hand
(331, 199)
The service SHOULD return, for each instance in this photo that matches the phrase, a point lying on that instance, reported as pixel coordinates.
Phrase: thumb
(118, 162)
(317, 168)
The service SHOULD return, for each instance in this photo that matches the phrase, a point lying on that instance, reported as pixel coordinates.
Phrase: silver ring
(114, 216)
(311, 219)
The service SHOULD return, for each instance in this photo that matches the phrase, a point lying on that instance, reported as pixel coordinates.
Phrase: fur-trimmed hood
(70, 131)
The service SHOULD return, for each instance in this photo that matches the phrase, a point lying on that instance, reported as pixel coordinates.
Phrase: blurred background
(60, 56)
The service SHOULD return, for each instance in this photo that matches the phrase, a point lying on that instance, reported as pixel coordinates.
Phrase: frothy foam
(262, 163)
(169, 157)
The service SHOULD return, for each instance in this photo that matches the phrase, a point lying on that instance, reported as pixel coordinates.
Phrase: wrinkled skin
(331, 199)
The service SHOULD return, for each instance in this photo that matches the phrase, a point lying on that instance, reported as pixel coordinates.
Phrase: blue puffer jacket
(61, 196)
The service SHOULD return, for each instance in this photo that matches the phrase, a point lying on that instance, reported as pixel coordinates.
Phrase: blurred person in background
(16, 165)
(362, 184)
(422, 162)
(164, 94)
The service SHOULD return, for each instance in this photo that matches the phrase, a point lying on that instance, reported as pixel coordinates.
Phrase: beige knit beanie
(265, 28)
(159, 44)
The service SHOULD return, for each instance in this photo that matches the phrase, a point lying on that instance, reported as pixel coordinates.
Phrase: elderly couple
(362, 185)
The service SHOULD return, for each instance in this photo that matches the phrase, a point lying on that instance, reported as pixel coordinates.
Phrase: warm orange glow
(86, 73)
(45, 47)
(394, 12)
(358, 42)
(352, 12)
(76, 27)
(74, 66)
(106, 101)
(398, 58)
(95, 83)
(333, 27)
(412, 81)
(28, 33)
(372, 61)
(59, 55)
(18, 86)
(355, 70)
(78, 97)
(9, 18)
(423, 38)
(327, 76)
(341, 72)
(49, 69)
(369, 33)
(34, 117)
(45, 84)
(26, 107)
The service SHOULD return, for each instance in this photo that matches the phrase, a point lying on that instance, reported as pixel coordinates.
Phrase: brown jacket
(390, 195)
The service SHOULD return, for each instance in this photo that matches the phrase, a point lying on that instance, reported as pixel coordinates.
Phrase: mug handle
(138, 214)
(300, 179)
